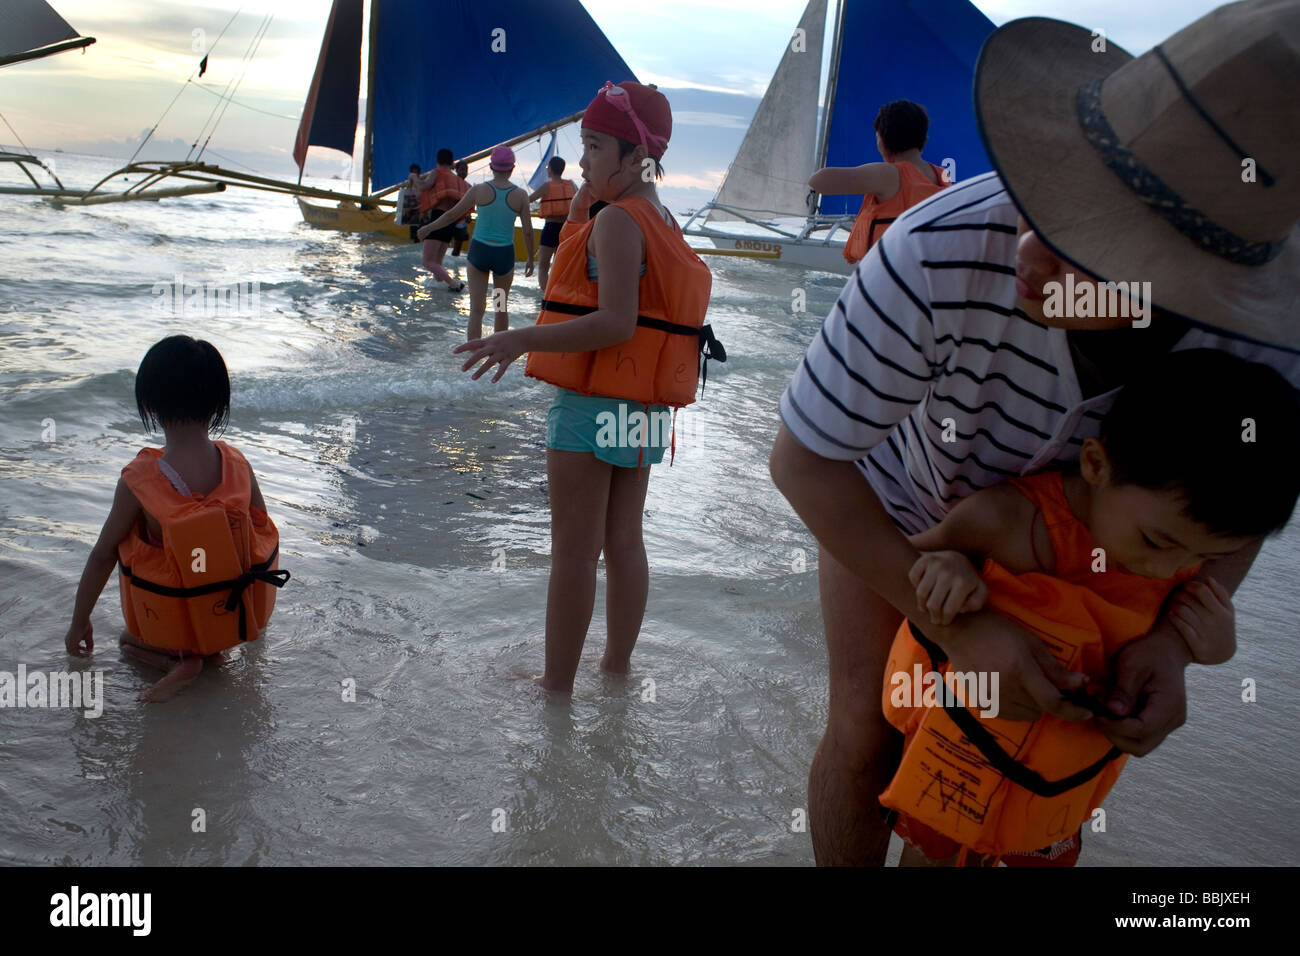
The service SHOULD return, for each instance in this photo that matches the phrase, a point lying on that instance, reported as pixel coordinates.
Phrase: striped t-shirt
(926, 338)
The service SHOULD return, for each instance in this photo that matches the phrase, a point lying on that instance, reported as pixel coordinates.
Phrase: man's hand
(947, 585)
(1030, 679)
(1150, 667)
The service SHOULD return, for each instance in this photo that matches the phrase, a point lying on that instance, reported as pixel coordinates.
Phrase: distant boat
(412, 106)
(921, 50)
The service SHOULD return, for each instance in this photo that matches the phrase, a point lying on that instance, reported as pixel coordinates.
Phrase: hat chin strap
(1153, 191)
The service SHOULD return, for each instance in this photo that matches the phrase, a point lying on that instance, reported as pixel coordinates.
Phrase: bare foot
(612, 666)
(182, 673)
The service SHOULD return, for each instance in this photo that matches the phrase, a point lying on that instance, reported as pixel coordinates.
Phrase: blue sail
(466, 75)
(919, 50)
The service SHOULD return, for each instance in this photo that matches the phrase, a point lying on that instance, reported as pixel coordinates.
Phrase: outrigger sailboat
(921, 50)
(476, 93)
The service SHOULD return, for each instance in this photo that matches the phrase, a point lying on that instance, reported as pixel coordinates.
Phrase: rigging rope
(149, 135)
(235, 78)
(243, 72)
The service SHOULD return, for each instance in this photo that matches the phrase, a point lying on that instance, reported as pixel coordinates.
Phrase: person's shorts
(551, 233)
(442, 235)
(634, 437)
(495, 259)
(935, 846)
(460, 233)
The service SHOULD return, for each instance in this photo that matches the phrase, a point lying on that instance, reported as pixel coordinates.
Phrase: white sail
(769, 176)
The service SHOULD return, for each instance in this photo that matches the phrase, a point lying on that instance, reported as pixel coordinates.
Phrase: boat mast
(367, 154)
(823, 139)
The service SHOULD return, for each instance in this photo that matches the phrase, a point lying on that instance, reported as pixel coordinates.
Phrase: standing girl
(620, 333)
(492, 248)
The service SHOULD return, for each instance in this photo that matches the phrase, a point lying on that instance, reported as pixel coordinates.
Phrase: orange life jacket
(555, 204)
(874, 217)
(998, 786)
(212, 583)
(660, 364)
(446, 191)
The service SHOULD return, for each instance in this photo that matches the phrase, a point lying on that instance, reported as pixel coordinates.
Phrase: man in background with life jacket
(890, 188)
(949, 362)
(411, 201)
(460, 231)
(440, 189)
(555, 194)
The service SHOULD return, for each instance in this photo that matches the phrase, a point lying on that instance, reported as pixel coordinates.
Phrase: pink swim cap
(503, 158)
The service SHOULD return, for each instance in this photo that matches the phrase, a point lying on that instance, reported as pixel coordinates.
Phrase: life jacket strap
(987, 744)
(710, 347)
(258, 572)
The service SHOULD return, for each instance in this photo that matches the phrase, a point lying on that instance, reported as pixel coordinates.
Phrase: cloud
(694, 118)
(710, 180)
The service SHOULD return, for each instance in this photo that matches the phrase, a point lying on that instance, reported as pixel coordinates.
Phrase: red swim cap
(634, 113)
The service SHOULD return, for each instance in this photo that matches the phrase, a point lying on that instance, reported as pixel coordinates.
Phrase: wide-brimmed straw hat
(1180, 167)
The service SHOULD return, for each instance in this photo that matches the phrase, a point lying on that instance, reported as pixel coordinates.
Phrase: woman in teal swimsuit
(492, 248)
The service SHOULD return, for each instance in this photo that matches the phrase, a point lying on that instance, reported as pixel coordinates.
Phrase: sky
(714, 56)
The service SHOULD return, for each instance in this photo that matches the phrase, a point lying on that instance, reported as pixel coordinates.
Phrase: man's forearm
(846, 518)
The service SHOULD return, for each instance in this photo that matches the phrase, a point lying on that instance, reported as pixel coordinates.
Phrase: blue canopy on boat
(467, 75)
(919, 50)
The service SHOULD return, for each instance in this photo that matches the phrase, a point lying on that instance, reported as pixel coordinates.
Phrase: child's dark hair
(556, 165)
(415, 168)
(462, 165)
(183, 380)
(445, 156)
(1220, 430)
(624, 147)
(902, 125)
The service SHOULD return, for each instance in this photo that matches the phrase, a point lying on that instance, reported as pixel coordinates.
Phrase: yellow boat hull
(348, 217)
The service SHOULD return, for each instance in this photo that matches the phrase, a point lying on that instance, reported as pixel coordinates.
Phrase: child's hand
(77, 636)
(500, 348)
(946, 585)
(1202, 613)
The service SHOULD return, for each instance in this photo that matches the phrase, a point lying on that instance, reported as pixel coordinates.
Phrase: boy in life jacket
(411, 201)
(620, 334)
(890, 188)
(1193, 462)
(440, 190)
(197, 552)
(460, 231)
(556, 196)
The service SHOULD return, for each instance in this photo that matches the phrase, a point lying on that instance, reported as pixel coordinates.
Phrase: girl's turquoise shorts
(615, 430)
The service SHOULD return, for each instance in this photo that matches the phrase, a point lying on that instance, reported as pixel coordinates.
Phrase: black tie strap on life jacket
(987, 744)
(258, 572)
(710, 348)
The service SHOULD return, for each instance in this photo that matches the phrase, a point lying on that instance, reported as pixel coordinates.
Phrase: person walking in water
(441, 189)
(492, 249)
(890, 188)
(625, 309)
(460, 232)
(555, 194)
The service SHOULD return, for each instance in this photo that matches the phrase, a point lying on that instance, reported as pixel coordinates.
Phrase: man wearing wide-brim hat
(979, 318)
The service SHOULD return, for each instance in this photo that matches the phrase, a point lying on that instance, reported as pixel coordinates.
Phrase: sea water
(411, 503)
